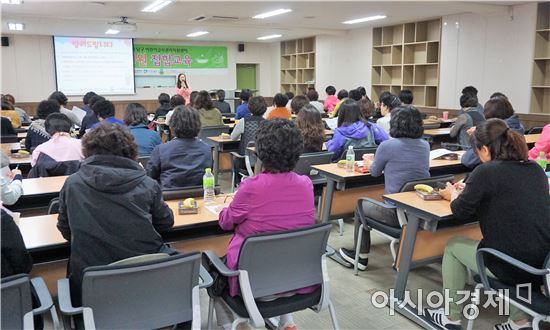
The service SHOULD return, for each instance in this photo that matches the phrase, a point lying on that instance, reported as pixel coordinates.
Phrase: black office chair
(359, 152)
(535, 130)
(144, 160)
(53, 207)
(9, 139)
(210, 131)
(187, 192)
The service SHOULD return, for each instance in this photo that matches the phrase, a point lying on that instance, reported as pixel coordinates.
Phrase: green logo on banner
(179, 57)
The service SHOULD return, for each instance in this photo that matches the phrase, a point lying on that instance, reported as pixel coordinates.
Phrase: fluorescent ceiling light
(365, 19)
(112, 31)
(197, 34)
(16, 26)
(156, 6)
(12, 2)
(271, 36)
(272, 13)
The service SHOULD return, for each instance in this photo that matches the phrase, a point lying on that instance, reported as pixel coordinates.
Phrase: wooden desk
(20, 161)
(7, 148)
(531, 139)
(41, 186)
(438, 131)
(221, 145)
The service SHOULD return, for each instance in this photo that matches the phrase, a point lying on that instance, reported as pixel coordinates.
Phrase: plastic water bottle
(350, 159)
(541, 160)
(208, 186)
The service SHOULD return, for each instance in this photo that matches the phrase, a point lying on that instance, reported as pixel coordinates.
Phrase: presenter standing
(183, 88)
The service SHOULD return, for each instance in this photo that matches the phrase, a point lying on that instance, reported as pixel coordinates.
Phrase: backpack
(366, 142)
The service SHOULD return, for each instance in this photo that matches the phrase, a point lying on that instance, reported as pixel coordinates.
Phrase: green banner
(151, 57)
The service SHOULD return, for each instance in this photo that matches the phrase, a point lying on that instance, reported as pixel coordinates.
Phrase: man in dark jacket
(15, 258)
(110, 210)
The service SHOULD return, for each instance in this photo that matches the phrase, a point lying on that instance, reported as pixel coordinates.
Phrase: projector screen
(102, 65)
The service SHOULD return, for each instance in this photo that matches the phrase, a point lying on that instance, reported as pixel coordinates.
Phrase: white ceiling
(308, 18)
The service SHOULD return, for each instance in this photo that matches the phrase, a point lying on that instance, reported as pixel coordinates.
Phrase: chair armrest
(506, 258)
(43, 294)
(236, 154)
(64, 297)
(378, 203)
(329, 251)
(219, 265)
(205, 277)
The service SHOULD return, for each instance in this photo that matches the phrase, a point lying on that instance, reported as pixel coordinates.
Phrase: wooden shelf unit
(297, 65)
(406, 56)
(540, 89)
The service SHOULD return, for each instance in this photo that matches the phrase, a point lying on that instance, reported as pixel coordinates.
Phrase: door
(246, 76)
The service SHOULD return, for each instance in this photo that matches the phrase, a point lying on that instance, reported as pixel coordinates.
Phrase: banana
(424, 188)
(189, 203)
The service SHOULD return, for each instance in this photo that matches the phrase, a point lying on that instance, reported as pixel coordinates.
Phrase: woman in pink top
(61, 147)
(543, 144)
(275, 200)
(183, 88)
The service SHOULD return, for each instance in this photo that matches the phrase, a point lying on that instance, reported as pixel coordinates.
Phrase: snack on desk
(225, 136)
(188, 206)
(427, 193)
(21, 154)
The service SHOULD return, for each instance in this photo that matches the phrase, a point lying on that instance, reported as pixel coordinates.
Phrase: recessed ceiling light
(272, 13)
(16, 26)
(271, 36)
(12, 2)
(197, 34)
(112, 31)
(156, 6)
(365, 19)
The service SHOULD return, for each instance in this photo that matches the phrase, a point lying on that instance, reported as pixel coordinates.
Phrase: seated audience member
(403, 158)
(7, 128)
(355, 95)
(209, 115)
(362, 91)
(164, 105)
(290, 96)
(355, 129)
(136, 120)
(15, 257)
(25, 119)
(192, 99)
(508, 195)
(297, 103)
(90, 118)
(86, 101)
(311, 126)
(220, 103)
(104, 110)
(110, 210)
(388, 102)
(62, 100)
(280, 110)
(245, 131)
(542, 144)
(175, 101)
(242, 110)
(472, 91)
(367, 108)
(405, 96)
(331, 100)
(469, 118)
(313, 97)
(11, 181)
(9, 112)
(181, 162)
(257, 209)
(37, 134)
(342, 96)
(61, 154)
(503, 110)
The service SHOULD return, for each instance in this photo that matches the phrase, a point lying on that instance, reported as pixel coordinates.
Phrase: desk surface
(8, 147)
(220, 140)
(21, 161)
(38, 186)
(438, 208)
(532, 138)
(21, 135)
(438, 131)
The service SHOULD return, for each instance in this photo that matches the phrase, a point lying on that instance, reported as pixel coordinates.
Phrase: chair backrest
(144, 160)
(140, 259)
(535, 130)
(303, 166)
(187, 192)
(9, 139)
(209, 131)
(53, 207)
(146, 295)
(547, 277)
(360, 152)
(16, 300)
(433, 181)
(284, 261)
(431, 125)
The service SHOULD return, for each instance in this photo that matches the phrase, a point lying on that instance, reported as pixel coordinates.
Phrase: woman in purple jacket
(353, 126)
(275, 200)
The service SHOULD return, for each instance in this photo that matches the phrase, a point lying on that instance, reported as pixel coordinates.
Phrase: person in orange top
(280, 110)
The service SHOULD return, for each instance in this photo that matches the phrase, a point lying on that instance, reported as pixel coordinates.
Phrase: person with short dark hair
(164, 105)
(313, 97)
(192, 99)
(354, 128)
(136, 120)
(7, 128)
(466, 120)
(367, 108)
(25, 119)
(405, 96)
(472, 92)
(403, 158)
(499, 107)
(297, 103)
(290, 96)
(8, 111)
(311, 126)
(279, 108)
(110, 209)
(86, 101)
(181, 162)
(37, 134)
(242, 110)
(355, 95)
(210, 116)
(508, 195)
(362, 90)
(15, 257)
(388, 102)
(89, 119)
(104, 110)
(331, 100)
(175, 101)
(61, 147)
(276, 199)
(220, 103)
(62, 100)
(342, 96)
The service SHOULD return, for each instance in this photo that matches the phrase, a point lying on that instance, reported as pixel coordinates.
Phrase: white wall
(28, 69)
(493, 52)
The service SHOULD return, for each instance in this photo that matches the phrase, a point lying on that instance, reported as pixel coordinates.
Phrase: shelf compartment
(377, 90)
(376, 74)
(308, 45)
(543, 16)
(289, 76)
(428, 31)
(285, 62)
(542, 44)
(432, 53)
(311, 61)
(391, 75)
(540, 100)
(301, 61)
(395, 89)
(541, 73)
(409, 32)
(307, 75)
(377, 37)
(419, 95)
(425, 74)
(431, 96)
(415, 53)
(293, 60)
(289, 47)
(408, 74)
(381, 55)
(387, 35)
(397, 54)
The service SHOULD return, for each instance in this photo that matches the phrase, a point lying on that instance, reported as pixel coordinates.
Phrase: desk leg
(216, 163)
(327, 206)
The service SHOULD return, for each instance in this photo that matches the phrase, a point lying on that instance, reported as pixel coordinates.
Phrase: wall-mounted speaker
(241, 47)
(5, 42)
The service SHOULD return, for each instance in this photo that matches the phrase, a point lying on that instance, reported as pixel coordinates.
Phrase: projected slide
(102, 65)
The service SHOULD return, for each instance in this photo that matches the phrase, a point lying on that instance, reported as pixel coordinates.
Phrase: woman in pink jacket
(182, 87)
(275, 200)
(543, 144)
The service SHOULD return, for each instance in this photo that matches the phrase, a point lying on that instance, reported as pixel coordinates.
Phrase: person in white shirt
(11, 181)
(62, 99)
(387, 103)
(313, 97)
